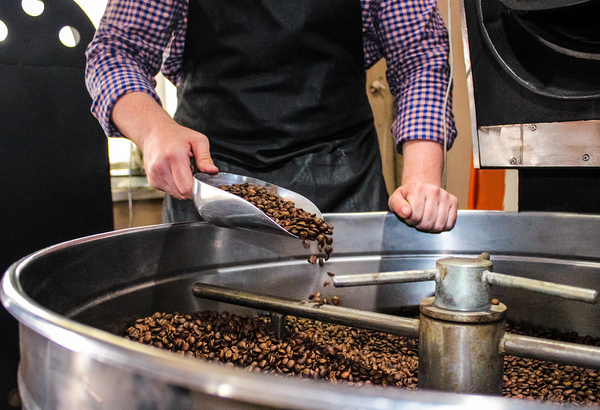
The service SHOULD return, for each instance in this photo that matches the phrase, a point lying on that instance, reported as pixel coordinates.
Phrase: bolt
(586, 157)
(513, 161)
(533, 127)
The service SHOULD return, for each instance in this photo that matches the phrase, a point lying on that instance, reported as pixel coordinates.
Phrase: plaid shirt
(138, 38)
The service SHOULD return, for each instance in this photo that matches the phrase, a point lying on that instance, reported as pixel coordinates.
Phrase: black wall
(54, 169)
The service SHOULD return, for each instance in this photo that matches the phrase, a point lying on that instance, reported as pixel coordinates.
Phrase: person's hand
(167, 146)
(426, 207)
(420, 200)
(167, 155)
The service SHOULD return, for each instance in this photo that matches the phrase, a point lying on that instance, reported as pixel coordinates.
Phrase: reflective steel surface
(73, 301)
(227, 210)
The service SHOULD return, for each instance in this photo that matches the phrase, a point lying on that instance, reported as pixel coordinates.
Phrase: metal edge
(470, 88)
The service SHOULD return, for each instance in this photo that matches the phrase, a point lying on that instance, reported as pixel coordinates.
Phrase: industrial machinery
(534, 96)
(75, 300)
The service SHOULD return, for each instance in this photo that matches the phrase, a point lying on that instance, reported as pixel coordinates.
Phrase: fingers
(432, 209)
(183, 178)
(165, 173)
(167, 160)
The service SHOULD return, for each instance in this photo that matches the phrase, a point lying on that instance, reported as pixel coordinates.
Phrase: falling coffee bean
(307, 226)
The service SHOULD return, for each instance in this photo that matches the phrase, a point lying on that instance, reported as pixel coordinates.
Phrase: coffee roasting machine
(75, 301)
(535, 107)
(534, 93)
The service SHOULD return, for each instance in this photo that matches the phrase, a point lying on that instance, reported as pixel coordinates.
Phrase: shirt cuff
(108, 92)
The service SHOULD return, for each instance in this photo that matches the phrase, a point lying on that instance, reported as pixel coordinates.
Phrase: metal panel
(556, 144)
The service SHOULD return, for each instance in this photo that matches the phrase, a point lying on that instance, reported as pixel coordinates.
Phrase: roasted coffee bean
(307, 226)
(348, 355)
(330, 274)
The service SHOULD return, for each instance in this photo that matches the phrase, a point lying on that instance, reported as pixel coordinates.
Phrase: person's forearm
(137, 115)
(423, 162)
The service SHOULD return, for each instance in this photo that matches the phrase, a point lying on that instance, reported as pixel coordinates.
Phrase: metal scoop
(227, 210)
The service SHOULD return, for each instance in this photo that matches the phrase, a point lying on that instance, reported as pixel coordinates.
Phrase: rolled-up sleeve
(128, 51)
(413, 39)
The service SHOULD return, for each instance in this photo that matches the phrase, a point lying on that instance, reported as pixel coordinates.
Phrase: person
(276, 90)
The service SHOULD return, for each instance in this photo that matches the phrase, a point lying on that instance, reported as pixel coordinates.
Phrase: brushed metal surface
(74, 299)
(556, 144)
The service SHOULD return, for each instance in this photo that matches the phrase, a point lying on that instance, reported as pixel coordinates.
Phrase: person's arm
(420, 200)
(412, 38)
(122, 61)
(167, 146)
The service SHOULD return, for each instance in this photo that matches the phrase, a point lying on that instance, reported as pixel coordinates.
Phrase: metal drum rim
(234, 383)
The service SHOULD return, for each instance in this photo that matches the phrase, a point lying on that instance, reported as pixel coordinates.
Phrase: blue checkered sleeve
(130, 47)
(413, 39)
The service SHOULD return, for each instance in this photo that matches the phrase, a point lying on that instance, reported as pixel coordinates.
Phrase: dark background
(54, 169)
(501, 100)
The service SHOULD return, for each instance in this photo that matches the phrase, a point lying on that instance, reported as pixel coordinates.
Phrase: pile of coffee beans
(535, 379)
(310, 349)
(341, 354)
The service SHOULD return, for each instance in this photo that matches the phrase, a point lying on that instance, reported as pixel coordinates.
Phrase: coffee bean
(307, 226)
(348, 355)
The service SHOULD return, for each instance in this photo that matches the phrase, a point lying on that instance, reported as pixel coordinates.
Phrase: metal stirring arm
(463, 284)
(461, 334)
(535, 348)
(539, 286)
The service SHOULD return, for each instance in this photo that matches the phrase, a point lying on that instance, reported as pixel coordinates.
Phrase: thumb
(399, 205)
(201, 154)
(204, 163)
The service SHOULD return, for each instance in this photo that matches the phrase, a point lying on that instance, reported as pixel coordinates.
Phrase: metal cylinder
(459, 351)
(459, 284)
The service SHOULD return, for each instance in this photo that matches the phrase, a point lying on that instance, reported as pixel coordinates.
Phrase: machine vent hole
(69, 36)
(3, 31)
(33, 7)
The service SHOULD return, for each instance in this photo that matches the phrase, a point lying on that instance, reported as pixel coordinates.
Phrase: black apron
(278, 87)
